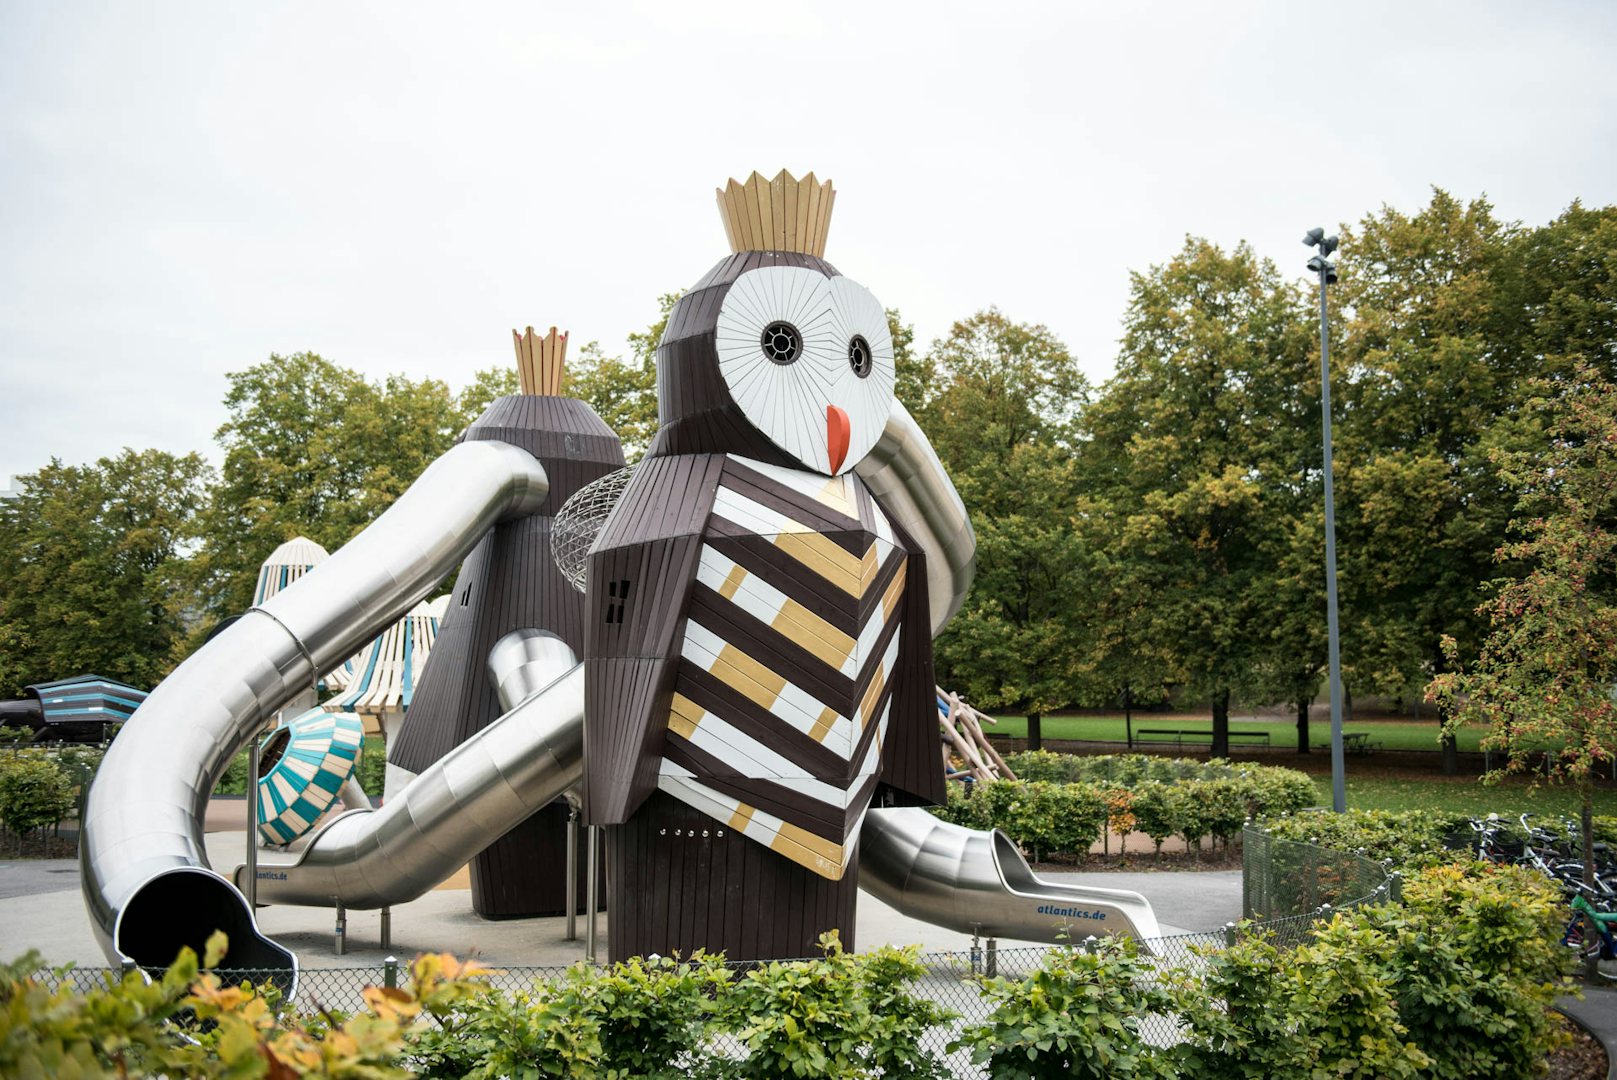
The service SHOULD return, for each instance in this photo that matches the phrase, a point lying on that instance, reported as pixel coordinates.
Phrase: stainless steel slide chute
(976, 882)
(145, 877)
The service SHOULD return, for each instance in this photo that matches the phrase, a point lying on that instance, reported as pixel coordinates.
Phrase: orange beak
(836, 435)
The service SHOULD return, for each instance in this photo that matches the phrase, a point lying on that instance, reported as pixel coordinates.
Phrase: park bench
(1354, 742)
(1196, 736)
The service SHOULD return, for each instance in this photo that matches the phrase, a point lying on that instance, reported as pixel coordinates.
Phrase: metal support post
(976, 954)
(340, 944)
(991, 958)
(592, 871)
(572, 874)
(390, 972)
(387, 927)
(252, 823)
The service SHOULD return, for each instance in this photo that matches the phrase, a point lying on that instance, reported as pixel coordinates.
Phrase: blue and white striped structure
(383, 677)
(84, 702)
(286, 564)
(306, 779)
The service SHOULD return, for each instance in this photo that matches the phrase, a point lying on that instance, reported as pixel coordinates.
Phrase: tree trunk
(1221, 725)
(1302, 725)
(1034, 739)
(1451, 755)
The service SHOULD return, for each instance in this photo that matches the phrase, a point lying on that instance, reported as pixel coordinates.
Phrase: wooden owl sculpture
(759, 654)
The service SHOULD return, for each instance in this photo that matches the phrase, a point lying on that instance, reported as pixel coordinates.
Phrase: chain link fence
(1287, 886)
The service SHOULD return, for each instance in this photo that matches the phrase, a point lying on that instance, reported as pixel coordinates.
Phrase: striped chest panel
(785, 677)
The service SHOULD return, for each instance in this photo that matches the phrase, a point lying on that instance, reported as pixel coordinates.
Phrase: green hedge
(1063, 804)
(1453, 984)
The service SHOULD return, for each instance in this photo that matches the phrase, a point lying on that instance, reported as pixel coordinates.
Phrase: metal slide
(476, 793)
(977, 882)
(145, 873)
(146, 879)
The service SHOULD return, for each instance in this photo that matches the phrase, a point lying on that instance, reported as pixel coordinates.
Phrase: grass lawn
(1408, 790)
(1392, 734)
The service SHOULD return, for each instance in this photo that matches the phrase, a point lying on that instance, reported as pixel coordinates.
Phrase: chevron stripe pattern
(304, 782)
(785, 677)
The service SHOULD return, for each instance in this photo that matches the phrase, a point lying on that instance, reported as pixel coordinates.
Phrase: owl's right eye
(782, 342)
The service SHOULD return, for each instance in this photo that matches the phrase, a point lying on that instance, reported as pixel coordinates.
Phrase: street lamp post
(1326, 270)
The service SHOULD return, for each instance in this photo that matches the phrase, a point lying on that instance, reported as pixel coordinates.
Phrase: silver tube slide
(976, 882)
(903, 471)
(145, 873)
(467, 799)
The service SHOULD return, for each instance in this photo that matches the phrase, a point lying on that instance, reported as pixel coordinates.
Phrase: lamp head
(1327, 245)
(1313, 236)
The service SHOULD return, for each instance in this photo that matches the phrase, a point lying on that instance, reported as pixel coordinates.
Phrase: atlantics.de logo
(1071, 913)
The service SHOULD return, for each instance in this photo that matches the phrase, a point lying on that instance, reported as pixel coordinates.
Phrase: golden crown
(783, 214)
(540, 360)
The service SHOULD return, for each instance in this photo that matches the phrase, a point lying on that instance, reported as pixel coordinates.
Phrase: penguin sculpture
(759, 654)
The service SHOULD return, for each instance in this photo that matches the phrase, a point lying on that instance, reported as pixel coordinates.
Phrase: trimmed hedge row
(1065, 804)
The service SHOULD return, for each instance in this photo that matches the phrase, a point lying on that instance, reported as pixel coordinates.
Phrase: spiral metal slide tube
(145, 873)
(473, 795)
(976, 882)
(902, 470)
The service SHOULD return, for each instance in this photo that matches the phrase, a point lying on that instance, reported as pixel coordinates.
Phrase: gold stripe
(814, 852)
(732, 582)
(889, 600)
(684, 715)
(822, 727)
(872, 693)
(741, 818)
(741, 672)
(823, 556)
(869, 567)
(828, 644)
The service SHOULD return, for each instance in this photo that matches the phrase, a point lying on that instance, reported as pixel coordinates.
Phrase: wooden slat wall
(509, 582)
(677, 890)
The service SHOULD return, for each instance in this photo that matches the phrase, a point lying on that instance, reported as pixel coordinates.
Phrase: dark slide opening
(184, 907)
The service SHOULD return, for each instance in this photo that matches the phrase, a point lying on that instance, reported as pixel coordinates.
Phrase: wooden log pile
(966, 750)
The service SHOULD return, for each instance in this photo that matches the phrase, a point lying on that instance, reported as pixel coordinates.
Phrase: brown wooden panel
(723, 893)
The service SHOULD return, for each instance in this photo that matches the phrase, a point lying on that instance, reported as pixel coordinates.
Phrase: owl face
(808, 360)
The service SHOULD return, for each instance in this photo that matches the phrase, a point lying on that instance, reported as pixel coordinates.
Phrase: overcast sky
(186, 188)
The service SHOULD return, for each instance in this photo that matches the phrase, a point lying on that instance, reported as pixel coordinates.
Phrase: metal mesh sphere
(580, 521)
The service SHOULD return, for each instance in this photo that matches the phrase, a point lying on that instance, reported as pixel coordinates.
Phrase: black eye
(859, 356)
(782, 342)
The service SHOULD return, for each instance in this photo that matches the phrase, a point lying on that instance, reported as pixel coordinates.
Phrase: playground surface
(41, 907)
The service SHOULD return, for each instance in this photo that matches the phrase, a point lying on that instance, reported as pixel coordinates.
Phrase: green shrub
(1345, 1006)
(1078, 1015)
(34, 792)
(820, 1018)
(1408, 838)
(1156, 811)
(1477, 959)
(1239, 1021)
(371, 770)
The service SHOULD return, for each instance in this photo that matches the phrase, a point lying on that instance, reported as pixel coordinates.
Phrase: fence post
(390, 972)
(1229, 935)
(1395, 887)
(991, 960)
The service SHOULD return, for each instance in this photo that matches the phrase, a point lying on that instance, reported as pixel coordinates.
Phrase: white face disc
(809, 360)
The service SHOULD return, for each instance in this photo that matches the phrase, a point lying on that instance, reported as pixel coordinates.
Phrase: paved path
(1597, 1012)
(41, 908)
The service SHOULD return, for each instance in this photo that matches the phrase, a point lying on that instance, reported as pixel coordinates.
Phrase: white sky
(185, 188)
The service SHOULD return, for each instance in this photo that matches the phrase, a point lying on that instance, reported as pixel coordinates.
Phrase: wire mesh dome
(580, 522)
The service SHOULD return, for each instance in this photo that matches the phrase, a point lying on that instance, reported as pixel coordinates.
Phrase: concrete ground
(41, 908)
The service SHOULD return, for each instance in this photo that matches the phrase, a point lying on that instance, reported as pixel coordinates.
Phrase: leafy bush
(820, 1018)
(1478, 961)
(34, 792)
(371, 770)
(1064, 803)
(1345, 1006)
(1238, 1022)
(1408, 838)
(1078, 1015)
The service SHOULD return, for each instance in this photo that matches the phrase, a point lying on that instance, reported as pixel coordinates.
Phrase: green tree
(315, 449)
(1542, 678)
(89, 563)
(1194, 471)
(1000, 419)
